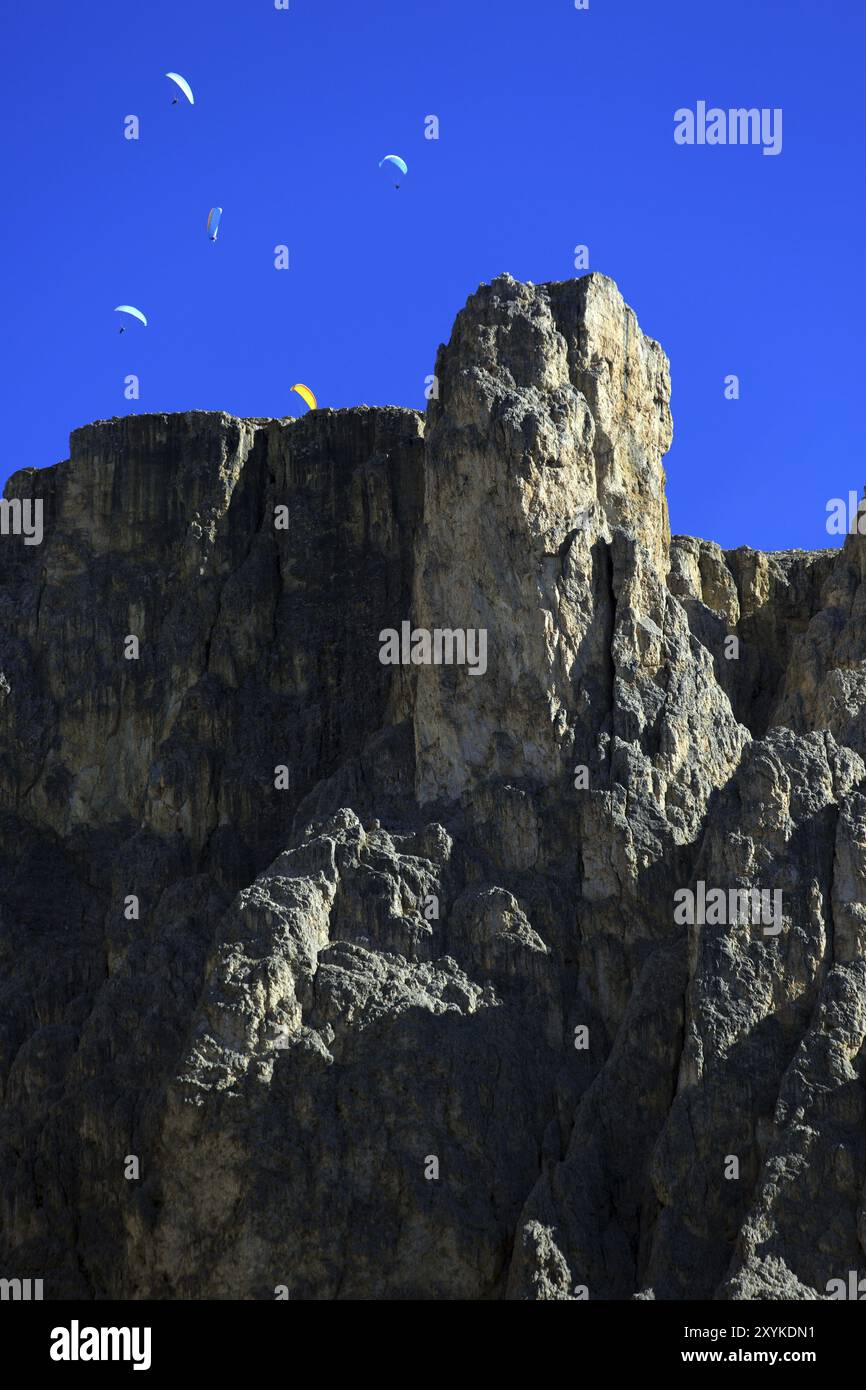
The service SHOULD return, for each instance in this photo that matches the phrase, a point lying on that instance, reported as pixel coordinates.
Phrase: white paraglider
(184, 87)
(130, 309)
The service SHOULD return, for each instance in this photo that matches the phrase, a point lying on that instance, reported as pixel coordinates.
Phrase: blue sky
(556, 129)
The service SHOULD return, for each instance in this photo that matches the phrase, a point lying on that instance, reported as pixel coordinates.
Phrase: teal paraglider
(397, 161)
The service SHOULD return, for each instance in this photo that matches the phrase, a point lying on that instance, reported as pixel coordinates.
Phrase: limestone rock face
(343, 964)
(548, 431)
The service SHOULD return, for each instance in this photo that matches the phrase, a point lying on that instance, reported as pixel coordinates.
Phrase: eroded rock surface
(360, 980)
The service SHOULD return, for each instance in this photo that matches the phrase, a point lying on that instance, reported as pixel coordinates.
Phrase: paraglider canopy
(131, 309)
(184, 86)
(395, 159)
(306, 394)
(213, 222)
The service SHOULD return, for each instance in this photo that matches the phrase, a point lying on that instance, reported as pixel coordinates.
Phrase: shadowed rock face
(384, 973)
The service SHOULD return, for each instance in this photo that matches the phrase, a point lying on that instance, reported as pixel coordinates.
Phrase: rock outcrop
(531, 967)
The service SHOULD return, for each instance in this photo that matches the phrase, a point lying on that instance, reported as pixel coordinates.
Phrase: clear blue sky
(556, 128)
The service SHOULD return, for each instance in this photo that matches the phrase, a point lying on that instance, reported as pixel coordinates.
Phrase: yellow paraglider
(306, 394)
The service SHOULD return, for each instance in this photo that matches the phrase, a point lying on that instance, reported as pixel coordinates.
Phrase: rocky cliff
(525, 962)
